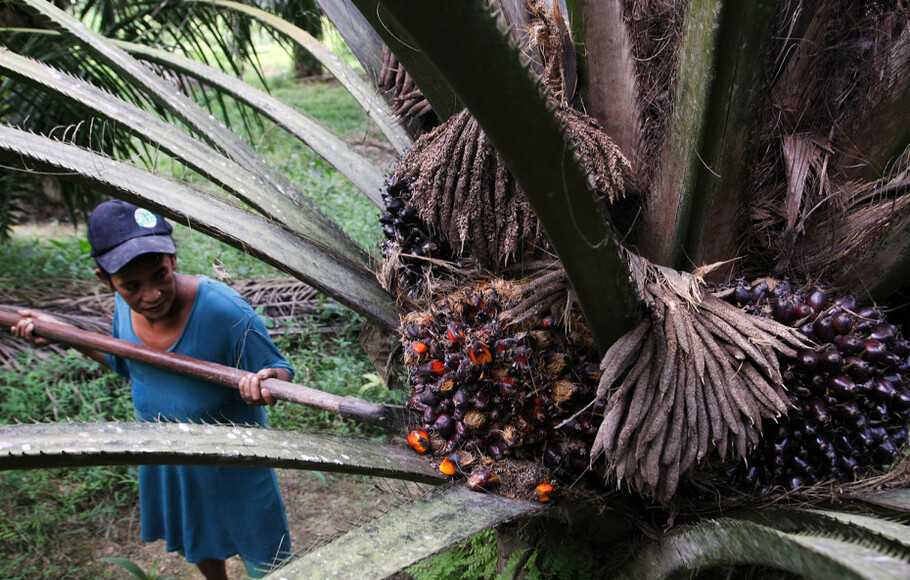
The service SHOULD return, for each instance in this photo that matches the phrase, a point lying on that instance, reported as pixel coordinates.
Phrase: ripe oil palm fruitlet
(643, 262)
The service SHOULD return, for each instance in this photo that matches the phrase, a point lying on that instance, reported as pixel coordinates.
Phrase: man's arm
(25, 329)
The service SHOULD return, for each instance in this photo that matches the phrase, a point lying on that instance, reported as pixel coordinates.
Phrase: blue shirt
(207, 511)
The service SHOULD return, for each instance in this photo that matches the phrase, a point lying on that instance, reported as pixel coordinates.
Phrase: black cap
(119, 231)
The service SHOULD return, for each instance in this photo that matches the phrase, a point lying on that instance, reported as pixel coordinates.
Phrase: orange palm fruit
(544, 492)
(447, 467)
(419, 440)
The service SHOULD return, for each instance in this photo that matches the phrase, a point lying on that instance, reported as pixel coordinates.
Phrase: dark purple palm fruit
(502, 391)
(850, 392)
(407, 234)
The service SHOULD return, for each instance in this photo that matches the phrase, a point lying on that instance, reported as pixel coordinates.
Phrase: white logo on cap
(145, 218)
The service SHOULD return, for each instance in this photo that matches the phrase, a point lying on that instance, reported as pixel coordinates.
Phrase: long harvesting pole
(393, 418)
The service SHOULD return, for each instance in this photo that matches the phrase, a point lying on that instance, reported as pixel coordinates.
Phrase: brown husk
(809, 181)
(703, 376)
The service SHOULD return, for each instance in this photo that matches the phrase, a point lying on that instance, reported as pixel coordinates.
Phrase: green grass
(32, 259)
(330, 190)
(48, 510)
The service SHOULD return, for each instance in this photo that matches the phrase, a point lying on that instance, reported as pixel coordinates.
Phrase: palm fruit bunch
(486, 387)
(849, 393)
(408, 239)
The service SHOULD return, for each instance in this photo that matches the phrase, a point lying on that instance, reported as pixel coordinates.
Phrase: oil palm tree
(719, 141)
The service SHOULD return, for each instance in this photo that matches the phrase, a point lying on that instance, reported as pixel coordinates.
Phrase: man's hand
(253, 393)
(25, 328)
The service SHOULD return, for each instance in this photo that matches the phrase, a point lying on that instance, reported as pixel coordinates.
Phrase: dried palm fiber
(404, 97)
(696, 378)
(822, 108)
(842, 228)
(465, 197)
(833, 244)
(550, 40)
(284, 300)
(655, 30)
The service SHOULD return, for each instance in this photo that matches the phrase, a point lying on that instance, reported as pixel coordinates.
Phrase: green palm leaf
(364, 42)
(865, 525)
(359, 171)
(406, 536)
(363, 174)
(726, 542)
(894, 499)
(82, 444)
(368, 98)
(351, 283)
(199, 120)
(200, 157)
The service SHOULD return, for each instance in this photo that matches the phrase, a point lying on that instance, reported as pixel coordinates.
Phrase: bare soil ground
(318, 510)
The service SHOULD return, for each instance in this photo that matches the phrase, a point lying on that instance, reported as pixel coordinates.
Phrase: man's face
(148, 285)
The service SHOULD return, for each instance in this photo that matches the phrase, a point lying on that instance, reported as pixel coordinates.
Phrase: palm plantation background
(766, 139)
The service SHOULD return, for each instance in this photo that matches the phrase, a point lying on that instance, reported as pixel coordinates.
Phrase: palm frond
(725, 542)
(207, 161)
(35, 445)
(669, 204)
(362, 173)
(406, 535)
(185, 26)
(361, 91)
(433, 83)
(351, 282)
(361, 38)
(163, 93)
(322, 228)
(716, 218)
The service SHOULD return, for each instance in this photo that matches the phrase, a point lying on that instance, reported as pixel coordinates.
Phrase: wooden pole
(393, 418)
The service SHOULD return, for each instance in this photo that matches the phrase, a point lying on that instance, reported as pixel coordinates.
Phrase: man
(206, 513)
